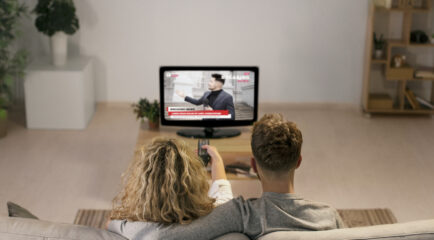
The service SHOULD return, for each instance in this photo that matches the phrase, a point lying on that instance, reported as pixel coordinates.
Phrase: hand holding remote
(217, 165)
(212, 152)
(202, 152)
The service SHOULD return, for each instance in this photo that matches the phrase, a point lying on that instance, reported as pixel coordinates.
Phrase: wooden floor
(349, 161)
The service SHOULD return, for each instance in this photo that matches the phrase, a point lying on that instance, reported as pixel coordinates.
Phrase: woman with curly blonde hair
(167, 183)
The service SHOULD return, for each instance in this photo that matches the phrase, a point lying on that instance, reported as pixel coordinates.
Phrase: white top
(220, 190)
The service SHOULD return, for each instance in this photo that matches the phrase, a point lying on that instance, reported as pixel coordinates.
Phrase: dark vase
(154, 125)
(151, 125)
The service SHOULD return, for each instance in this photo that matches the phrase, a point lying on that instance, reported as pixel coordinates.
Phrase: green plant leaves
(379, 42)
(3, 113)
(143, 108)
(12, 63)
(10, 11)
(56, 15)
(8, 81)
(2, 102)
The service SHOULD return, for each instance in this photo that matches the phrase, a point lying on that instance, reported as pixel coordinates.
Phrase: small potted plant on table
(379, 44)
(145, 109)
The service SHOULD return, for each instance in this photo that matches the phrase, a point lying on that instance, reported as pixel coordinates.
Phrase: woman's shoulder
(129, 229)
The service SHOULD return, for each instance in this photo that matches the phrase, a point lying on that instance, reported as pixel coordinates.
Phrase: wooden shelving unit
(403, 75)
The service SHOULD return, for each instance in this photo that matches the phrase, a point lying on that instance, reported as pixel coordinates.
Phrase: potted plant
(12, 62)
(145, 109)
(56, 19)
(379, 44)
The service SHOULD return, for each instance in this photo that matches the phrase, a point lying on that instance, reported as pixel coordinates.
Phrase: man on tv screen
(215, 99)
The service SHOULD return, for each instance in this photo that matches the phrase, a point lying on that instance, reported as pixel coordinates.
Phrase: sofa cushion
(411, 230)
(31, 229)
(26, 229)
(15, 210)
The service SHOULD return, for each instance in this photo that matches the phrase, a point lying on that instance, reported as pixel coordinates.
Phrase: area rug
(352, 217)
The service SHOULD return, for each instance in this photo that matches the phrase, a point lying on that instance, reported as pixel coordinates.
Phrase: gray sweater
(253, 217)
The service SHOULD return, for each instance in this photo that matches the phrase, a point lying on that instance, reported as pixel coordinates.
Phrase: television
(208, 98)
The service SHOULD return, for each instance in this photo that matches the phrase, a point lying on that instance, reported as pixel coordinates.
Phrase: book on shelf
(411, 99)
(425, 103)
(423, 74)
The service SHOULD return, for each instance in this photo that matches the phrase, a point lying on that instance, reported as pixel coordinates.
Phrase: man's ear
(299, 162)
(253, 164)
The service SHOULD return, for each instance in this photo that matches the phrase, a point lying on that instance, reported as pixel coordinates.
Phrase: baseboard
(114, 104)
(308, 106)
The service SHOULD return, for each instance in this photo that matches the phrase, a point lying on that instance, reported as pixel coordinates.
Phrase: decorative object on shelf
(398, 61)
(379, 44)
(56, 18)
(424, 74)
(12, 63)
(143, 108)
(383, 3)
(419, 37)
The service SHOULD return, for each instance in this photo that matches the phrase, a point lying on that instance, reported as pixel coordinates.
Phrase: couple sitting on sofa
(167, 195)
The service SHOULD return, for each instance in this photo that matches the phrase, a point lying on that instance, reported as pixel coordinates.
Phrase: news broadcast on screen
(200, 95)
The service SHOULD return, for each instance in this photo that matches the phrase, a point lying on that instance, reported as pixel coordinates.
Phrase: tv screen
(208, 96)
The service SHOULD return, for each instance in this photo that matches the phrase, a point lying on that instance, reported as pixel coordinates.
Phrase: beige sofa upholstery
(30, 229)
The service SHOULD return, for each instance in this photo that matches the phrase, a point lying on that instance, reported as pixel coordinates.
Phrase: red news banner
(190, 113)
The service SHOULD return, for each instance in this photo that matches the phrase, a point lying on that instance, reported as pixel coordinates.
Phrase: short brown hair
(276, 143)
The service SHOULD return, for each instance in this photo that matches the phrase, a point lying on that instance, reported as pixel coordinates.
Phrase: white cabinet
(59, 97)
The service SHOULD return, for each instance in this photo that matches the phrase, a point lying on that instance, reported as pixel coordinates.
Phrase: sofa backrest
(31, 229)
(420, 230)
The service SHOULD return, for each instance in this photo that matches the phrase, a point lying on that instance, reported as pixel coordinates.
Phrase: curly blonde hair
(276, 143)
(165, 183)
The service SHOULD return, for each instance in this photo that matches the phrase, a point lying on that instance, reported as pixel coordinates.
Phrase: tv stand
(208, 132)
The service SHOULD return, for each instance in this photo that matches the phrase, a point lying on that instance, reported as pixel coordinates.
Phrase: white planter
(432, 40)
(378, 54)
(59, 48)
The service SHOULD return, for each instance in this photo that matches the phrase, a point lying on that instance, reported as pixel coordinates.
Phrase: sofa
(32, 229)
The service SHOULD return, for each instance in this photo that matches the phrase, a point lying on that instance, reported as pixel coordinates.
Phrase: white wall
(307, 50)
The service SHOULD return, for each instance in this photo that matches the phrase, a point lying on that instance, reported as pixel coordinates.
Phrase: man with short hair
(216, 98)
(276, 146)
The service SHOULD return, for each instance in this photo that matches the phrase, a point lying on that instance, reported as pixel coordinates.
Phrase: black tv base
(208, 132)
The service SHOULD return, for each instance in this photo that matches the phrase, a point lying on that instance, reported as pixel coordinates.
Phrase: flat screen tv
(208, 98)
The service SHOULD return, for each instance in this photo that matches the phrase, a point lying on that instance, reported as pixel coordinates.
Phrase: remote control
(203, 154)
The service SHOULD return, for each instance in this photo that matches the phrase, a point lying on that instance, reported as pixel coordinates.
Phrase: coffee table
(232, 150)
